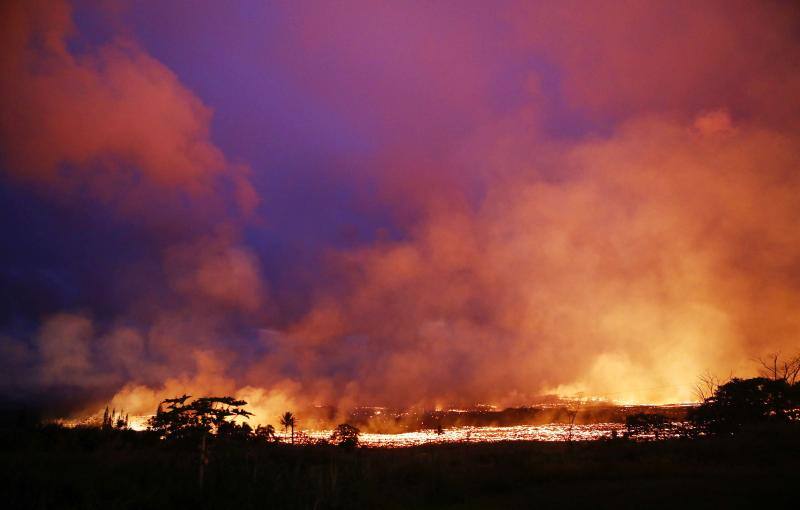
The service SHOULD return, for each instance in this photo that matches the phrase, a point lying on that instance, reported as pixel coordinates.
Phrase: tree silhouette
(106, 419)
(288, 420)
(235, 431)
(706, 385)
(777, 368)
(741, 402)
(266, 433)
(345, 435)
(112, 420)
(177, 420)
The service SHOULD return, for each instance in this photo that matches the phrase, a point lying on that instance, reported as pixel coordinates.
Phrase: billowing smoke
(666, 250)
(115, 126)
(111, 119)
(621, 221)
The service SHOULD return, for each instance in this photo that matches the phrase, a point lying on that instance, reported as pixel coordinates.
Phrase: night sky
(406, 203)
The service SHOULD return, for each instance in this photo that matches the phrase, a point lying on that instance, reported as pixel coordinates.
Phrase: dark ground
(52, 467)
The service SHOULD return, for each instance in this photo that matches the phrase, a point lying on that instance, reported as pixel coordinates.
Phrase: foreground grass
(84, 469)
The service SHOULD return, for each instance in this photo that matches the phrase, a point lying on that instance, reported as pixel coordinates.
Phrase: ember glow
(428, 205)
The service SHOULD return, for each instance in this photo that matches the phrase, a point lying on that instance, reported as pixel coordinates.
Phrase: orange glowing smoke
(619, 262)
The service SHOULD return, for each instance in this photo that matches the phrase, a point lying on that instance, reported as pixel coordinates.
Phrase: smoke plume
(569, 199)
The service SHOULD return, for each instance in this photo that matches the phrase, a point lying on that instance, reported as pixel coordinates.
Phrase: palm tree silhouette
(288, 420)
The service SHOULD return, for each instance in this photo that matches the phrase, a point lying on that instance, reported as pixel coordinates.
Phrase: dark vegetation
(773, 399)
(54, 467)
(738, 449)
(745, 402)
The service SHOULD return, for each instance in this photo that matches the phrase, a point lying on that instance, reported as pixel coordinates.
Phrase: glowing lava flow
(550, 432)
